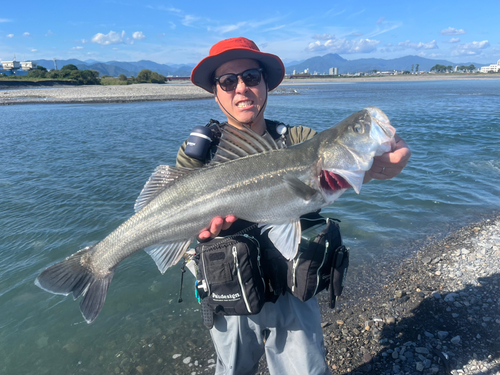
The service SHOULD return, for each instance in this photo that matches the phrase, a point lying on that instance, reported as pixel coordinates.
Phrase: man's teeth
(244, 104)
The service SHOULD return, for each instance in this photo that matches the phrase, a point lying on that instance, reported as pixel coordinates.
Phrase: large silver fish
(251, 178)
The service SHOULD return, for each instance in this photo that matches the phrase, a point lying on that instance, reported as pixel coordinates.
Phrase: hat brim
(202, 74)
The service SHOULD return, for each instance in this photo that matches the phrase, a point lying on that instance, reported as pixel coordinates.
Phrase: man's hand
(217, 224)
(391, 163)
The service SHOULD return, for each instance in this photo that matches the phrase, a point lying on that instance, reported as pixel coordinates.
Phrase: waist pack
(237, 274)
(229, 276)
(321, 261)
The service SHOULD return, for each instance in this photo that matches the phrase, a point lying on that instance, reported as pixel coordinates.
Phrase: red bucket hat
(232, 49)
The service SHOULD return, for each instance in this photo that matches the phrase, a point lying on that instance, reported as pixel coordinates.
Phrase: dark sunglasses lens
(228, 82)
(251, 77)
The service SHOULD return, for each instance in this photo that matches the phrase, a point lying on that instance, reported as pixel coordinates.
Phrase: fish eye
(358, 128)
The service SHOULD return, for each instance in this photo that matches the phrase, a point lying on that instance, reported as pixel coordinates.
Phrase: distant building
(306, 71)
(11, 65)
(15, 65)
(28, 65)
(492, 68)
(333, 71)
(294, 72)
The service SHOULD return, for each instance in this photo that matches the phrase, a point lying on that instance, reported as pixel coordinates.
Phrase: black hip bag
(230, 279)
(321, 261)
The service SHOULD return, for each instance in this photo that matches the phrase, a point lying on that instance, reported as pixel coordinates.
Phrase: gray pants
(294, 343)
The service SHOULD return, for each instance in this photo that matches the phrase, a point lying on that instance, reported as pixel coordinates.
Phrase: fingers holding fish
(217, 224)
(391, 163)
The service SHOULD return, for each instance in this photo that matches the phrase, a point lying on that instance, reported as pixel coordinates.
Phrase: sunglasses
(250, 78)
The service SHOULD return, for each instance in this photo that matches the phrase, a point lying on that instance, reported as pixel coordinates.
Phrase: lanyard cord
(241, 123)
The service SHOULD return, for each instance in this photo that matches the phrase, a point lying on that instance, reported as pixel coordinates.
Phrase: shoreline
(180, 91)
(438, 314)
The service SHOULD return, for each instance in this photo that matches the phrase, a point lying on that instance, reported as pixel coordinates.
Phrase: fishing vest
(240, 270)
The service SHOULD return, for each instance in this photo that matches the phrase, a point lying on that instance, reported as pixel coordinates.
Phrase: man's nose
(241, 86)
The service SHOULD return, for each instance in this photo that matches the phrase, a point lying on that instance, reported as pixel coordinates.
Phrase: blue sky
(182, 32)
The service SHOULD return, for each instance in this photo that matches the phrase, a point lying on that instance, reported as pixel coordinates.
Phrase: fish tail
(71, 276)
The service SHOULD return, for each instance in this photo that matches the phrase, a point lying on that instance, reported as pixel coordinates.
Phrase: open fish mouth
(332, 182)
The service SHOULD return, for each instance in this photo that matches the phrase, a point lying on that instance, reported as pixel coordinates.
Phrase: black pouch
(320, 260)
(229, 280)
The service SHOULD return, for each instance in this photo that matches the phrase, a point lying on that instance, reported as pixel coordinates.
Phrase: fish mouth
(330, 181)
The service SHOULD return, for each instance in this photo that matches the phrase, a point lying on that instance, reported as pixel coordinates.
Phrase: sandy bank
(103, 94)
(183, 91)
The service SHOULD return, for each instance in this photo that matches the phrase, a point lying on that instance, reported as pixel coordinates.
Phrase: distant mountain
(115, 68)
(322, 64)
(319, 64)
(104, 69)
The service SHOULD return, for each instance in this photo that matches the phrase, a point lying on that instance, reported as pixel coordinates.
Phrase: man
(288, 331)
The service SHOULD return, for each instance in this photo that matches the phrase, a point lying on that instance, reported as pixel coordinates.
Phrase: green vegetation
(73, 75)
(438, 68)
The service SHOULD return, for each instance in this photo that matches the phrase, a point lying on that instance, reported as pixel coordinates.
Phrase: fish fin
(354, 178)
(161, 177)
(286, 237)
(167, 255)
(71, 276)
(236, 143)
(299, 188)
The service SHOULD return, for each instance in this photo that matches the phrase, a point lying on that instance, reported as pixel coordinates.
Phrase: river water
(71, 173)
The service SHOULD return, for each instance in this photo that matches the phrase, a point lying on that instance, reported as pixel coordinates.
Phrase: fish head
(347, 150)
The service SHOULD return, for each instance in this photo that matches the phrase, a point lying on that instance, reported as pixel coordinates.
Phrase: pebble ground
(438, 314)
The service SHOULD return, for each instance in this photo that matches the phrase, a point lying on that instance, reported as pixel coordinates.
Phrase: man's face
(243, 103)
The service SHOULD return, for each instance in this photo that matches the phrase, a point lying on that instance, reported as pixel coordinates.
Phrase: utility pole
(55, 63)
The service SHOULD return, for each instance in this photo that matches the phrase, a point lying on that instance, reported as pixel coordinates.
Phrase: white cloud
(172, 25)
(470, 49)
(380, 20)
(344, 46)
(323, 36)
(418, 46)
(229, 28)
(2, 20)
(110, 38)
(453, 40)
(34, 50)
(188, 20)
(10, 36)
(452, 31)
(49, 33)
(26, 34)
(166, 9)
(138, 35)
(77, 47)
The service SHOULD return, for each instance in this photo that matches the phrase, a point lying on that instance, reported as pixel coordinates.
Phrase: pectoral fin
(299, 188)
(167, 255)
(286, 237)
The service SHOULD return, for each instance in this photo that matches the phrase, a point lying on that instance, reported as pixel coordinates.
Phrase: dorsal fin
(161, 177)
(236, 143)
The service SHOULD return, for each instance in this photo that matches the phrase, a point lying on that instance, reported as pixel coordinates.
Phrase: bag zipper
(257, 244)
(236, 262)
(321, 266)
(294, 269)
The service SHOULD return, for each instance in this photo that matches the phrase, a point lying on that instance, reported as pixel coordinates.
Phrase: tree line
(91, 77)
(438, 68)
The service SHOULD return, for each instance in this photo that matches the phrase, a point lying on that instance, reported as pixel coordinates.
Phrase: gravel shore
(438, 314)
(103, 94)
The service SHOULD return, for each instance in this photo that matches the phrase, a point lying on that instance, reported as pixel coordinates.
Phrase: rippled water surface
(71, 173)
